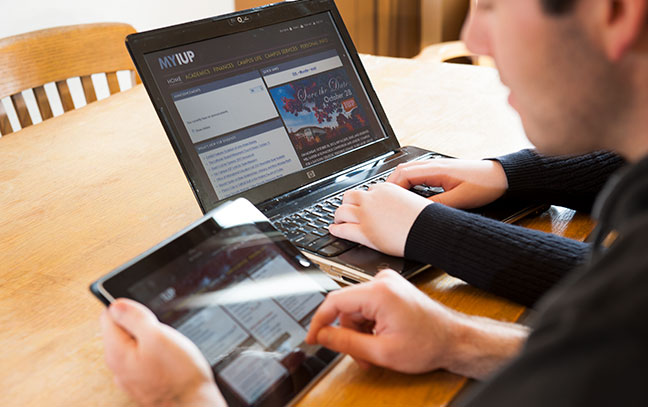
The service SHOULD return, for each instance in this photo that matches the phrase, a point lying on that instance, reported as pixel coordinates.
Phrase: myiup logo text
(181, 58)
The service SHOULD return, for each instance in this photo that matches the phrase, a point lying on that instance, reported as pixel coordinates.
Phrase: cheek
(519, 42)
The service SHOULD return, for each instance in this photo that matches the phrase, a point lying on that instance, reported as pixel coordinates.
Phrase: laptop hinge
(338, 177)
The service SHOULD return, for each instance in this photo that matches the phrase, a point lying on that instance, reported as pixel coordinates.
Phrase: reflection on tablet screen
(247, 305)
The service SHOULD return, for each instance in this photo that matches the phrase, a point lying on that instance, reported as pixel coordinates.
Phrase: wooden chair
(31, 60)
(447, 51)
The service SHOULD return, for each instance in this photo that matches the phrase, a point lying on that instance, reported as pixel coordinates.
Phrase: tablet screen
(245, 299)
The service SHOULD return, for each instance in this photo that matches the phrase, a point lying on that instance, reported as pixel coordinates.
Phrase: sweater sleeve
(588, 344)
(511, 261)
(570, 181)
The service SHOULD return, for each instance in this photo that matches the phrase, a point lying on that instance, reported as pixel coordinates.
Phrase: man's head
(577, 69)
(557, 6)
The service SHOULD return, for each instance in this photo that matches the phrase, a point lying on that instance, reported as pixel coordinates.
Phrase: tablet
(243, 294)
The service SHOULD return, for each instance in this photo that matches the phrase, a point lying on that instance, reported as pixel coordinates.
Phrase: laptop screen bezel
(140, 44)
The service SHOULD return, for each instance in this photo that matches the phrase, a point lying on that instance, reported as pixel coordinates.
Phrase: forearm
(482, 345)
(571, 181)
(517, 263)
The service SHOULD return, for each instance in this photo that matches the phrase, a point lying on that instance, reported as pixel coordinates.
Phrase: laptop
(273, 104)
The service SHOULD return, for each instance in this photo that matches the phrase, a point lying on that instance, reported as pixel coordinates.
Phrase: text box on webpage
(303, 71)
(221, 111)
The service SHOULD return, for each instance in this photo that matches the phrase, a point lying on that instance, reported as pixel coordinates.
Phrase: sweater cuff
(521, 169)
(430, 234)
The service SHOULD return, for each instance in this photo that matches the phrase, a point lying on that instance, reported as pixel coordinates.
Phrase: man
(578, 74)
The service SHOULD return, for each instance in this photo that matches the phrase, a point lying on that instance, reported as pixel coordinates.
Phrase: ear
(622, 23)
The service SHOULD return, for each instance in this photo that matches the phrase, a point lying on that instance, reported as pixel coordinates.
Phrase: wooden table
(84, 192)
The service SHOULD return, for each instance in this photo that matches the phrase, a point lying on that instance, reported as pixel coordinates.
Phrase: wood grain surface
(83, 192)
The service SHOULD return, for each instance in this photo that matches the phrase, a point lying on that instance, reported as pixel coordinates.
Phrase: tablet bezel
(234, 213)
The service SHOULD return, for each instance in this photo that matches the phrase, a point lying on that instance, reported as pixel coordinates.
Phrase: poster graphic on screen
(322, 116)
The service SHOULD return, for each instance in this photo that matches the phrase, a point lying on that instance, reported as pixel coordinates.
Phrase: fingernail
(115, 310)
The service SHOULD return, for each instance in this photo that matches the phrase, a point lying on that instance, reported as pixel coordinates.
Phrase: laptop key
(329, 251)
(319, 222)
(426, 191)
(321, 242)
(305, 241)
(293, 234)
(336, 248)
(308, 229)
(327, 221)
(300, 221)
(295, 218)
(289, 225)
(320, 213)
(311, 218)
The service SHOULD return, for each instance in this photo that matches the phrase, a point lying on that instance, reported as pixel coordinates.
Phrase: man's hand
(467, 183)
(390, 323)
(380, 218)
(154, 363)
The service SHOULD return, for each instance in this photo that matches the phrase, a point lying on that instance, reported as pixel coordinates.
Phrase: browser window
(259, 105)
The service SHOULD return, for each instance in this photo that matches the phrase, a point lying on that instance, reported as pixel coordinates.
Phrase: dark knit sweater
(511, 261)
(588, 346)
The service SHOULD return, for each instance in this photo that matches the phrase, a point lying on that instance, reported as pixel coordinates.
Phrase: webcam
(240, 20)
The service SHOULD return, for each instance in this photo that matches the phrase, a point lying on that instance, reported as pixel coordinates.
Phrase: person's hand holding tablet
(217, 314)
(154, 363)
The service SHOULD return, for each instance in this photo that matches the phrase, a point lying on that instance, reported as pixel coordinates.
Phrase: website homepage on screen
(259, 105)
(239, 298)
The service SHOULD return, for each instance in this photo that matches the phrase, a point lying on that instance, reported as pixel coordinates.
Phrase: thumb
(133, 317)
(454, 198)
(365, 347)
(349, 231)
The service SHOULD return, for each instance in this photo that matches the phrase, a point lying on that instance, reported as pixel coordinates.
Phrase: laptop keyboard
(308, 228)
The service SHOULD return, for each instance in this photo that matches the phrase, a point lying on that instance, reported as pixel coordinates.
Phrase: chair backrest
(31, 60)
(448, 51)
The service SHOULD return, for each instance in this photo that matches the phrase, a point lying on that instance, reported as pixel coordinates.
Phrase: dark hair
(556, 7)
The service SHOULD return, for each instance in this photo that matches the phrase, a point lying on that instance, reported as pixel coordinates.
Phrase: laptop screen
(262, 112)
